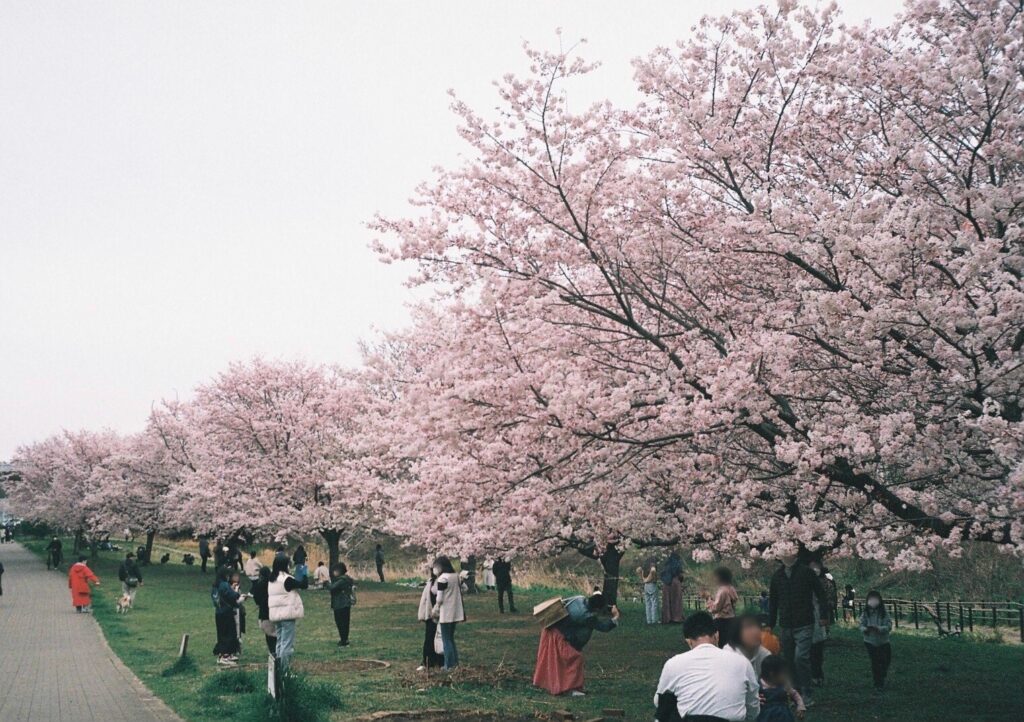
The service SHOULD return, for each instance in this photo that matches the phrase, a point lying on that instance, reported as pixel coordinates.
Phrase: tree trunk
(149, 546)
(610, 559)
(333, 539)
(77, 546)
(470, 567)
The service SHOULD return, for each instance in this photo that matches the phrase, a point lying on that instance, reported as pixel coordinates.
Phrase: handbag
(131, 582)
(438, 641)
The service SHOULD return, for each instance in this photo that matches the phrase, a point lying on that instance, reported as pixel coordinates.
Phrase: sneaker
(233, 657)
(226, 662)
(421, 668)
(342, 644)
(577, 693)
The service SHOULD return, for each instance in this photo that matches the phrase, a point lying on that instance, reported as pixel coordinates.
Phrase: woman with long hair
(448, 609)
(431, 657)
(672, 590)
(259, 594)
(285, 607)
(225, 602)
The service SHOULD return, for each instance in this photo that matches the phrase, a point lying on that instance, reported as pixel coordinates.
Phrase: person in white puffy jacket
(285, 608)
(448, 609)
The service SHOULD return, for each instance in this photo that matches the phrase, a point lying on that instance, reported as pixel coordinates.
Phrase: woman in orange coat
(79, 577)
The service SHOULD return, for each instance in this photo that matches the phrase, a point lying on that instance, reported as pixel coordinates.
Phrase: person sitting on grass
(775, 686)
(342, 598)
(875, 625)
(706, 683)
(560, 655)
(747, 640)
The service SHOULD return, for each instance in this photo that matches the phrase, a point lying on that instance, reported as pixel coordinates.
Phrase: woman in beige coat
(448, 610)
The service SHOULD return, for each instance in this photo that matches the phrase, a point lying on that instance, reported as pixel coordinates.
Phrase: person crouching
(560, 654)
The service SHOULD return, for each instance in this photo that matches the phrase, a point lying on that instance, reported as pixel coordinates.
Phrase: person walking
(204, 553)
(448, 609)
(875, 625)
(260, 596)
(722, 605)
(54, 554)
(649, 579)
(225, 601)
(80, 576)
(672, 590)
(285, 607)
(428, 598)
(503, 582)
(378, 560)
(823, 617)
(791, 596)
(343, 596)
(131, 578)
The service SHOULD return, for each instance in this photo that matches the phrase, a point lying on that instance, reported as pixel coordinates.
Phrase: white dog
(124, 604)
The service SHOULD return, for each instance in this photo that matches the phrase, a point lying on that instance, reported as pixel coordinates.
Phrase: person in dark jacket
(300, 556)
(342, 589)
(378, 560)
(131, 578)
(792, 593)
(225, 601)
(54, 554)
(204, 553)
(502, 571)
(261, 596)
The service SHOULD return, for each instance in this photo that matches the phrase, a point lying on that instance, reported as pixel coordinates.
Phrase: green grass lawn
(931, 679)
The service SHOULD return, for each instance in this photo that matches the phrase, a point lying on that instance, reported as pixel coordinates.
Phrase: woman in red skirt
(560, 655)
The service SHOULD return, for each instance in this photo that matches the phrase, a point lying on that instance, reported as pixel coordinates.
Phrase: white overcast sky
(186, 184)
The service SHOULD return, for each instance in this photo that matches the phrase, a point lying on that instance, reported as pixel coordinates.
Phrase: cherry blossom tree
(55, 478)
(788, 284)
(268, 449)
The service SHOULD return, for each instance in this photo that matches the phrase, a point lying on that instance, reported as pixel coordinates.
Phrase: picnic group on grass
(740, 666)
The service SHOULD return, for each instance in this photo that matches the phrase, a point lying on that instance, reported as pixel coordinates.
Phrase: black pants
(342, 620)
(227, 634)
(202, 566)
(380, 571)
(430, 657)
(881, 658)
(818, 660)
(502, 591)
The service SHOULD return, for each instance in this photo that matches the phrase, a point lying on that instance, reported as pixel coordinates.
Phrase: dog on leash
(124, 604)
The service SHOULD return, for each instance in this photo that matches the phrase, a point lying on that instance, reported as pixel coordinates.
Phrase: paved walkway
(55, 665)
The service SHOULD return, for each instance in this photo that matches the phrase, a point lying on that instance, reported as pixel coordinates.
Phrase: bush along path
(55, 663)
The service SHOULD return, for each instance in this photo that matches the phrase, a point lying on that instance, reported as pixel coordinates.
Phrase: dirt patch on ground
(500, 676)
(339, 666)
(443, 715)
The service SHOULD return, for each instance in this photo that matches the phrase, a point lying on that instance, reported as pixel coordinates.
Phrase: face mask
(873, 603)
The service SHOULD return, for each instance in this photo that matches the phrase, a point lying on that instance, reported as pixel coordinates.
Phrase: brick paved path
(55, 665)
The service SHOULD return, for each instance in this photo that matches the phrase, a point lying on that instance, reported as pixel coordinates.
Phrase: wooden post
(994, 616)
(961, 616)
(272, 676)
(1020, 619)
(896, 613)
(183, 649)
(970, 617)
(917, 621)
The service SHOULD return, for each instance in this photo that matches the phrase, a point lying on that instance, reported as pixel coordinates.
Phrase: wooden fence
(946, 617)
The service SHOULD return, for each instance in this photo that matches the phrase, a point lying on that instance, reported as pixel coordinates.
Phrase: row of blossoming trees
(777, 302)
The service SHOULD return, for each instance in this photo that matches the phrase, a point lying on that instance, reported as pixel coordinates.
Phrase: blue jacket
(579, 626)
(776, 706)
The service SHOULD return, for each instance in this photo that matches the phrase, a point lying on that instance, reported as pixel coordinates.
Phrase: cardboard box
(551, 612)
